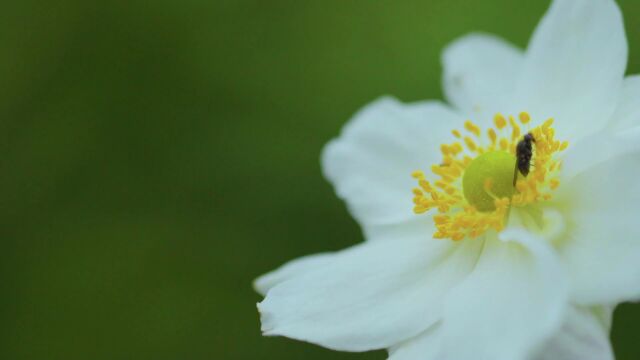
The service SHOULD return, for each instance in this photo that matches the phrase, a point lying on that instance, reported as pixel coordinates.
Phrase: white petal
(370, 164)
(598, 148)
(291, 269)
(602, 250)
(480, 74)
(371, 296)
(583, 336)
(574, 66)
(627, 113)
(426, 346)
(512, 301)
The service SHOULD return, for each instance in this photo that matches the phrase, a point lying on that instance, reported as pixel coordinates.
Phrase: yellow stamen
(492, 135)
(500, 121)
(472, 128)
(524, 117)
(471, 145)
(458, 216)
(515, 132)
(504, 144)
(417, 174)
(445, 149)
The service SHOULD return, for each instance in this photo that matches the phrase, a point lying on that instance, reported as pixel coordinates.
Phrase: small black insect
(524, 152)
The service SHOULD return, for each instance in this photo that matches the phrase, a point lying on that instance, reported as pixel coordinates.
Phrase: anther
(472, 128)
(524, 117)
(500, 121)
(492, 135)
(470, 143)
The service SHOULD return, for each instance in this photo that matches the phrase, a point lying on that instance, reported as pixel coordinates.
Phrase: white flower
(537, 272)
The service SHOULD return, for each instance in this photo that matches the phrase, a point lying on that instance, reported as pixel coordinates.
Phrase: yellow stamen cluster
(456, 217)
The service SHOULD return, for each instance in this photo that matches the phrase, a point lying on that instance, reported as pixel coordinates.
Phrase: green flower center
(487, 178)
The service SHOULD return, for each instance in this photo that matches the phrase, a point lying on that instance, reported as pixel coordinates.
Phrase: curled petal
(291, 269)
(371, 296)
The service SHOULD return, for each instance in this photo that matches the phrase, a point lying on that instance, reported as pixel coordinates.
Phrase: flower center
(482, 178)
(489, 176)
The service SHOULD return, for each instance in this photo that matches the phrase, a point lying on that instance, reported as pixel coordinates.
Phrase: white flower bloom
(475, 267)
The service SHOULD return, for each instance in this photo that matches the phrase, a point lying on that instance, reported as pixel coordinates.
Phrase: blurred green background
(157, 156)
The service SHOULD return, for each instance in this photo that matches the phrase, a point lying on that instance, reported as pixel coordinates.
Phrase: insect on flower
(524, 152)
